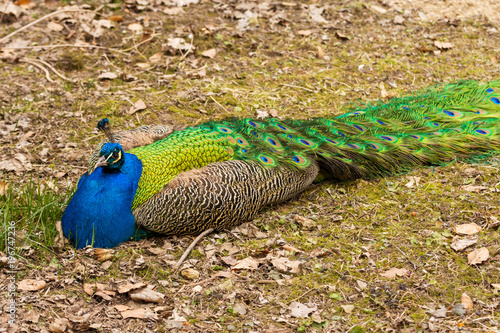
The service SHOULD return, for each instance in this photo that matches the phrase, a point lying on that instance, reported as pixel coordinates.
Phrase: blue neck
(100, 212)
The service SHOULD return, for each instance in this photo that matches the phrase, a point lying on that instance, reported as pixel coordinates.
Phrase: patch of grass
(34, 208)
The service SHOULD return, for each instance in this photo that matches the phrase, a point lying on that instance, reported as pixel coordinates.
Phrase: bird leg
(190, 248)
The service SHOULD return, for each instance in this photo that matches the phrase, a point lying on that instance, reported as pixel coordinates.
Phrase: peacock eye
(115, 154)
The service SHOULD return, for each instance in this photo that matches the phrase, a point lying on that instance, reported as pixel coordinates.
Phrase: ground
(362, 256)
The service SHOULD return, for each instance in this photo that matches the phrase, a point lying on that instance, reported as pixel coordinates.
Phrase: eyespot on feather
(273, 142)
(483, 131)
(359, 127)
(224, 129)
(480, 112)
(389, 138)
(282, 127)
(375, 146)
(454, 114)
(241, 141)
(253, 123)
(266, 160)
(299, 160)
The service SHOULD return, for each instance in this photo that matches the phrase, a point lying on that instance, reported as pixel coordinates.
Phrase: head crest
(103, 125)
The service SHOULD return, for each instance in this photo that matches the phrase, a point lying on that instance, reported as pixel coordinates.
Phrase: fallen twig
(54, 70)
(47, 74)
(65, 45)
(190, 248)
(44, 18)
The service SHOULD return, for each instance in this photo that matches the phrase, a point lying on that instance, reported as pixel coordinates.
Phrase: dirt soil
(384, 255)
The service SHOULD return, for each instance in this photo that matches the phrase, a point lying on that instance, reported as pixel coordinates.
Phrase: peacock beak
(102, 161)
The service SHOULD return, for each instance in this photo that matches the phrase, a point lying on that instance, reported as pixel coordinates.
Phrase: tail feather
(437, 126)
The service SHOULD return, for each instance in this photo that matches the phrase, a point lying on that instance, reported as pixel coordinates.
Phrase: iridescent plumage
(219, 174)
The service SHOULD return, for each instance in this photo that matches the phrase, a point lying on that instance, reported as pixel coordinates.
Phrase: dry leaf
(378, 9)
(143, 65)
(58, 326)
(139, 105)
(292, 249)
(307, 224)
(247, 263)
(261, 113)
(173, 11)
(459, 244)
(135, 27)
(466, 301)
(383, 92)
(31, 285)
(156, 58)
(305, 32)
(157, 250)
(467, 229)
(103, 254)
(26, 4)
(474, 188)
(136, 313)
(494, 222)
(121, 307)
(285, 265)
(92, 288)
(341, 36)
(240, 308)
(413, 181)
(103, 295)
(316, 318)
(315, 14)
(321, 52)
(53, 26)
(146, 295)
(347, 308)
(391, 273)
(398, 19)
(229, 260)
(478, 256)
(443, 45)
(299, 310)
(107, 76)
(209, 53)
(362, 285)
(18, 163)
(439, 313)
(9, 8)
(125, 288)
(79, 319)
(115, 18)
(179, 44)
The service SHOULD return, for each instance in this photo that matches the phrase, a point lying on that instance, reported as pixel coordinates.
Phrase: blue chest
(100, 213)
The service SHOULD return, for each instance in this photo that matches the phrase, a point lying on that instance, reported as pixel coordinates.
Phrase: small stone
(459, 309)
(190, 274)
(231, 327)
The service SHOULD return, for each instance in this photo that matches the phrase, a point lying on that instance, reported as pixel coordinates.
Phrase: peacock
(221, 173)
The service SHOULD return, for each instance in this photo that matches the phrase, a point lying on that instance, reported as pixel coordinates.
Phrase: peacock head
(111, 157)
